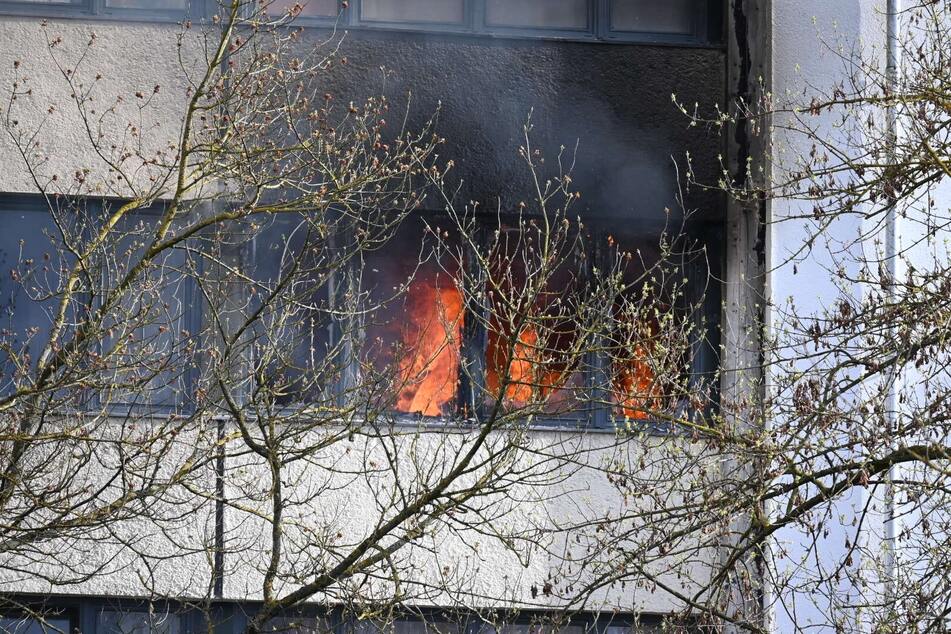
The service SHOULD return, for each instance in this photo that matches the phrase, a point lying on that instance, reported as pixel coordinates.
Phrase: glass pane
(431, 11)
(33, 626)
(651, 16)
(414, 332)
(298, 339)
(33, 263)
(147, 339)
(297, 625)
(154, 5)
(308, 8)
(137, 623)
(538, 14)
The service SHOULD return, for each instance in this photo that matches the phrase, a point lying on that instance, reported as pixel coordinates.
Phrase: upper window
(672, 21)
(145, 9)
(664, 21)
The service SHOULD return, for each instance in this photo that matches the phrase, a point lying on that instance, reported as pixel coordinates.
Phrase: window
(649, 16)
(298, 346)
(413, 331)
(308, 8)
(674, 21)
(539, 14)
(174, 5)
(126, 9)
(144, 339)
(151, 327)
(32, 268)
(127, 622)
(413, 11)
(436, 335)
(32, 625)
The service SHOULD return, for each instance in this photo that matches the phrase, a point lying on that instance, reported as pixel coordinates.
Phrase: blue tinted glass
(115, 622)
(298, 337)
(32, 262)
(149, 324)
(33, 626)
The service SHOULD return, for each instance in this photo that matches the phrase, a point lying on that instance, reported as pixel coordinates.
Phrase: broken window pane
(532, 352)
(414, 330)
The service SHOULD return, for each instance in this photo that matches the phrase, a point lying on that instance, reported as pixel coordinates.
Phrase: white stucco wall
(809, 38)
(130, 58)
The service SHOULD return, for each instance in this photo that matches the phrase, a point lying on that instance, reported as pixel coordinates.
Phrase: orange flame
(429, 370)
(634, 387)
(525, 372)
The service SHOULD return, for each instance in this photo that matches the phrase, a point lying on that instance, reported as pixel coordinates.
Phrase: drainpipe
(890, 563)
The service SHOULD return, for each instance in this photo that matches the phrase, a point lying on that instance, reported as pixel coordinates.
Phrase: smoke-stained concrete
(613, 100)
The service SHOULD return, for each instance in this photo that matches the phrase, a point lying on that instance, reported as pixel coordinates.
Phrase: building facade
(624, 85)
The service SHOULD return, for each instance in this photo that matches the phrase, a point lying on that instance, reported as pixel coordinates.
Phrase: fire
(525, 371)
(634, 382)
(429, 369)
(634, 387)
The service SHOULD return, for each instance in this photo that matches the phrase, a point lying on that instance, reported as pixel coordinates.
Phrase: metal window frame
(97, 10)
(706, 31)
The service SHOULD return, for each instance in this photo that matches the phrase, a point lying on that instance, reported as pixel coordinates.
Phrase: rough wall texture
(130, 58)
(614, 101)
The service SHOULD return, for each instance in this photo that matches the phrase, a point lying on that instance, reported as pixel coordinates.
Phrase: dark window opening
(414, 331)
(539, 349)
(296, 272)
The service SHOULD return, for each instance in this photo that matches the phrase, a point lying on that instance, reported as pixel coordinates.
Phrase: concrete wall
(809, 38)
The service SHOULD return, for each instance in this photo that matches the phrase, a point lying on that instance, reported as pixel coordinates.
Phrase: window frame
(97, 9)
(595, 413)
(191, 320)
(706, 30)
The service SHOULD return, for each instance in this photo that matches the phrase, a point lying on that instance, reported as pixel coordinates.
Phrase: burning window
(649, 345)
(531, 334)
(414, 334)
(532, 352)
(634, 388)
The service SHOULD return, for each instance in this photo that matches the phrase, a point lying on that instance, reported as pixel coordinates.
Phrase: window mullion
(472, 373)
(476, 13)
(599, 377)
